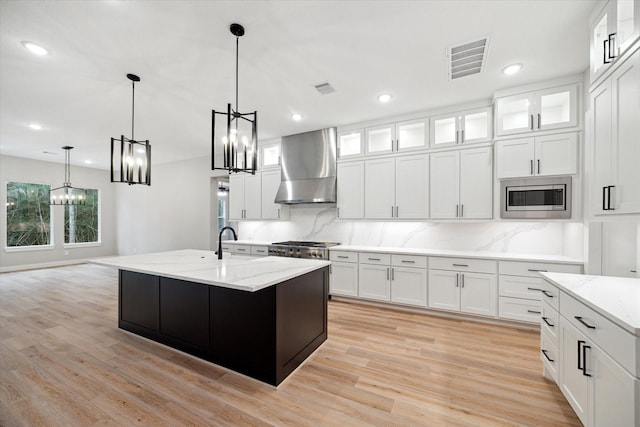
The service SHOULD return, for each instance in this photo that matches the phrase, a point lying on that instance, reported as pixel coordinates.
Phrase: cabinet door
(602, 124)
(444, 130)
(619, 249)
(379, 197)
(444, 185)
(344, 279)
(514, 114)
(615, 395)
(515, 158)
(270, 185)
(476, 126)
(270, 155)
(409, 286)
(556, 108)
(253, 196)
(600, 29)
(412, 134)
(412, 187)
(556, 154)
(380, 139)
(184, 313)
(476, 183)
(350, 144)
(574, 384)
(236, 196)
(479, 293)
(627, 21)
(373, 282)
(351, 190)
(625, 133)
(444, 290)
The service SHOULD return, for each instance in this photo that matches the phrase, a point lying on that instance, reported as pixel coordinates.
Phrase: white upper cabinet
(269, 155)
(613, 30)
(461, 127)
(351, 190)
(462, 184)
(350, 144)
(245, 196)
(541, 110)
(615, 106)
(397, 137)
(539, 156)
(270, 181)
(397, 187)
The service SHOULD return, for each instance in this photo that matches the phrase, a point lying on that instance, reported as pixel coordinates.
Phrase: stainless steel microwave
(536, 198)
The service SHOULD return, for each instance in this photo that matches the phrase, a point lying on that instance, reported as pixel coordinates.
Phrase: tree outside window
(81, 222)
(28, 214)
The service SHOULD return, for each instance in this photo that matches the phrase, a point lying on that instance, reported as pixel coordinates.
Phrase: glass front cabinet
(547, 109)
(396, 137)
(461, 127)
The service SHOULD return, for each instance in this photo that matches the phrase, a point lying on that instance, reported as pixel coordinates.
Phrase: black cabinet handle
(408, 261)
(457, 279)
(538, 160)
(584, 360)
(539, 125)
(531, 164)
(612, 45)
(547, 356)
(534, 312)
(579, 319)
(531, 121)
(343, 257)
(462, 136)
(535, 289)
(457, 132)
(609, 208)
(580, 345)
(373, 259)
(534, 270)
(547, 294)
(605, 51)
(460, 265)
(546, 320)
(604, 198)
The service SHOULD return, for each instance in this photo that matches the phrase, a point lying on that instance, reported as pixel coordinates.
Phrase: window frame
(27, 248)
(87, 244)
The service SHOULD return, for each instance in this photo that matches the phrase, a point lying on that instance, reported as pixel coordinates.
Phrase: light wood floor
(63, 361)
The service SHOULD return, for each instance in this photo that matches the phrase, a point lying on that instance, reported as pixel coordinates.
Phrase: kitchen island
(261, 317)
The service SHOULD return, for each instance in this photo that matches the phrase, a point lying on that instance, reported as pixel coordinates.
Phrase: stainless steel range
(298, 249)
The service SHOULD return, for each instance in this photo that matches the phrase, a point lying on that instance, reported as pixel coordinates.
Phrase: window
(28, 214)
(82, 222)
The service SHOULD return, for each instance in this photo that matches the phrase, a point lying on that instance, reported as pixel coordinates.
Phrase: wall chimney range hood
(308, 168)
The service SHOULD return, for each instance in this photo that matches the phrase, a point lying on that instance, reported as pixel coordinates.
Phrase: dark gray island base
(264, 334)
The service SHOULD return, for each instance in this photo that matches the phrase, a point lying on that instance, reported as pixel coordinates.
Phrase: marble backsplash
(320, 223)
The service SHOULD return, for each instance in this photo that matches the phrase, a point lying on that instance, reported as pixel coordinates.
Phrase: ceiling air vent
(324, 88)
(467, 59)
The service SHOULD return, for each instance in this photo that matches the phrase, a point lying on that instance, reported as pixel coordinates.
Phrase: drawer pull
(546, 320)
(535, 270)
(241, 250)
(461, 265)
(547, 293)
(343, 257)
(535, 289)
(547, 356)
(579, 319)
(408, 261)
(373, 259)
(534, 312)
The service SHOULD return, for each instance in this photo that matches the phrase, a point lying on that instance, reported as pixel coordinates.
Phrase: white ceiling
(185, 55)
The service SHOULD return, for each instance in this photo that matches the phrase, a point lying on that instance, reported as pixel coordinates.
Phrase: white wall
(34, 171)
(320, 223)
(173, 213)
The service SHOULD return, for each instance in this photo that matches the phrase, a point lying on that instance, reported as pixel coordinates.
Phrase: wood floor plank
(63, 361)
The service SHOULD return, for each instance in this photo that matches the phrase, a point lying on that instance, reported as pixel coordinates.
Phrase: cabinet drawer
(550, 323)
(226, 247)
(623, 347)
(259, 250)
(549, 355)
(520, 287)
(242, 249)
(463, 264)
(531, 269)
(550, 294)
(519, 309)
(374, 258)
(409, 261)
(342, 256)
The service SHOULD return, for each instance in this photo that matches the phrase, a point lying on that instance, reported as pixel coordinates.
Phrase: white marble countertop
(616, 298)
(233, 271)
(460, 254)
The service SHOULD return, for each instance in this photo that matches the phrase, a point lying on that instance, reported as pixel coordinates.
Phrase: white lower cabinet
(344, 273)
(374, 282)
(461, 289)
(409, 280)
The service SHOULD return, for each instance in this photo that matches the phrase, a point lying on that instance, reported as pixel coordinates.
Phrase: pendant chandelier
(67, 195)
(237, 144)
(131, 159)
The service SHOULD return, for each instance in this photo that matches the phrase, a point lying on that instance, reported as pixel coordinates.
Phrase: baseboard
(23, 267)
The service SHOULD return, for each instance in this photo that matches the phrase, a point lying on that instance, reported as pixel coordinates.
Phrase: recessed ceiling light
(34, 48)
(511, 69)
(35, 126)
(384, 97)
(297, 117)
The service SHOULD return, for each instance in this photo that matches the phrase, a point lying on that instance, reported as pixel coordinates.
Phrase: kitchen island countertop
(233, 271)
